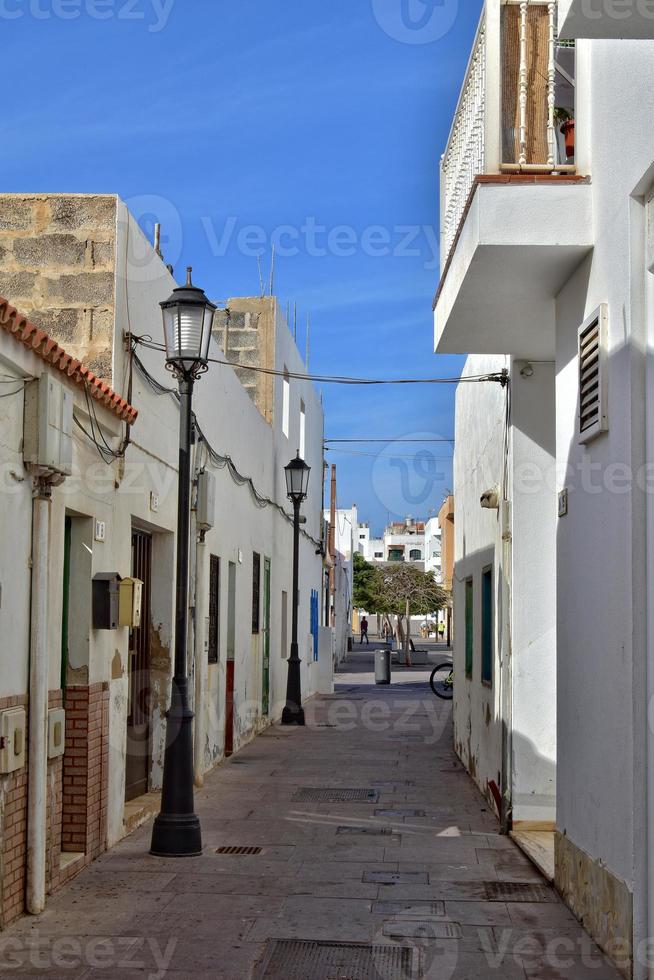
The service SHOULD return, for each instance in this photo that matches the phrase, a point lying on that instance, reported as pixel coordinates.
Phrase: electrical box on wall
(130, 602)
(106, 601)
(56, 733)
(13, 734)
(206, 501)
(48, 426)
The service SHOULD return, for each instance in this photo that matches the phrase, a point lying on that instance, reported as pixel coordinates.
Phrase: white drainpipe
(38, 705)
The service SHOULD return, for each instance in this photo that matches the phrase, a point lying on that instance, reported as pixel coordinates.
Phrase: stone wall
(57, 265)
(245, 330)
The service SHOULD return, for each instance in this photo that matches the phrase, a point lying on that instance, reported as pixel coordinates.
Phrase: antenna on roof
(261, 286)
(157, 240)
(295, 323)
(308, 340)
(272, 271)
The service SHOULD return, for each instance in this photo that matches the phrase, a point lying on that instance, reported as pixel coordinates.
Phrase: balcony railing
(508, 117)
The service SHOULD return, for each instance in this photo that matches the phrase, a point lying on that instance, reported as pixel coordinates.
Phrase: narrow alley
(355, 848)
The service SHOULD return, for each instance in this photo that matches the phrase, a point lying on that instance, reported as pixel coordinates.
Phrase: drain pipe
(38, 705)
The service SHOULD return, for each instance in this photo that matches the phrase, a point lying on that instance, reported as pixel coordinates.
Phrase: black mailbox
(105, 600)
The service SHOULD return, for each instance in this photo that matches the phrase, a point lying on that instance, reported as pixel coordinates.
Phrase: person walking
(441, 631)
(364, 631)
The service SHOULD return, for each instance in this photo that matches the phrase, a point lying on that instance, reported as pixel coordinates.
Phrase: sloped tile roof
(45, 347)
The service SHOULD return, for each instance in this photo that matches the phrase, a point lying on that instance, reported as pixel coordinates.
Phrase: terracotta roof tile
(47, 348)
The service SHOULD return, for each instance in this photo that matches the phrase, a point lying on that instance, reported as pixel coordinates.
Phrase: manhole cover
(293, 959)
(366, 831)
(310, 794)
(238, 850)
(518, 891)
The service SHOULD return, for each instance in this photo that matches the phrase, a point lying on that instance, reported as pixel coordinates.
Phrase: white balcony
(633, 19)
(515, 215)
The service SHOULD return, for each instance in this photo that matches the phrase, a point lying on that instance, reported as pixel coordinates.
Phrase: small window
(470, 636)
(379, 554)
(256, 592)
(487, 626)
(214, 610)
(592, 375)
(303, 430)
(286, 403)
(415, 554)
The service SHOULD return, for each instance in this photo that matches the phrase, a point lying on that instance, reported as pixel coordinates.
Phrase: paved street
(414, 861)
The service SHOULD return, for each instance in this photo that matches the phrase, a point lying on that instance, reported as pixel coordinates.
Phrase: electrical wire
(219, 460)
(8, 394)
(330, 442)
(500, 377)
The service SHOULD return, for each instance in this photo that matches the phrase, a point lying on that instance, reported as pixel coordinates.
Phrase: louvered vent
(592, 380)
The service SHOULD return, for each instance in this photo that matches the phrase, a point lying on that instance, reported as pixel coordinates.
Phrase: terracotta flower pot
(568, 130)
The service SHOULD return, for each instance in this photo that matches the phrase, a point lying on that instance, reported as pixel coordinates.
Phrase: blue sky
(327, 118)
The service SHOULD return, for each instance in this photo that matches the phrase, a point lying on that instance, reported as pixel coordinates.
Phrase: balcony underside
(519, 242)
(596, 20)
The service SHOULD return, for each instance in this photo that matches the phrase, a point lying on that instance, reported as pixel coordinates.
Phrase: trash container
(383, 666)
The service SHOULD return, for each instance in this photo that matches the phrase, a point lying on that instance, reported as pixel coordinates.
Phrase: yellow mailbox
(129, 602)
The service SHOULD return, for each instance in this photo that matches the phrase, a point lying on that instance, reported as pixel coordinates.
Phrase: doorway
(231, 659)
(265, 690)
(137, 763)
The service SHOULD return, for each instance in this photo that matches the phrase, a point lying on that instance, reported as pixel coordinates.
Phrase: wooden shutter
(214, 610)
(256, 592)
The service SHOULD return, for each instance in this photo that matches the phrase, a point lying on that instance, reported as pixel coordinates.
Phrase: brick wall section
(13, 834)
(57, 265)
(84, 824)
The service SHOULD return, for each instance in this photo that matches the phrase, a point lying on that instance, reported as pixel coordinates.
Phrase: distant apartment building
(88, 457)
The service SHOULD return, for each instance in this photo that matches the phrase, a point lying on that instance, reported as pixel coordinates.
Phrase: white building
(345, 542)
(547, 264)
(81, 283)
(433, 549)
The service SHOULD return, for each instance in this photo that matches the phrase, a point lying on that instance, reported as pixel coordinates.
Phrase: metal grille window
(592, 375)
(214, 610)
(256, 592)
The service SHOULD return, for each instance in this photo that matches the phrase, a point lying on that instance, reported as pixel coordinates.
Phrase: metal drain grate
(518, 891)
(311, 794)
(293, 959)
(238, 850)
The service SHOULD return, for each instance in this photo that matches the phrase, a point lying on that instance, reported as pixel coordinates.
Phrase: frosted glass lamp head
(297, 479)
(187, 321)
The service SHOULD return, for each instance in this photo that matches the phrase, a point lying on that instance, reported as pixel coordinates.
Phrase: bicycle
(442, 681)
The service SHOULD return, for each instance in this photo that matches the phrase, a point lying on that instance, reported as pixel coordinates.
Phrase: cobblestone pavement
(414, 860)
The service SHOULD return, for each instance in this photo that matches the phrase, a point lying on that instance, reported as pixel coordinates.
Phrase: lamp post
(297, 482)
(187, 321)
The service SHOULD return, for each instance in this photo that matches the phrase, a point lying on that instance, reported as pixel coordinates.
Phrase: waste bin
(383, 666)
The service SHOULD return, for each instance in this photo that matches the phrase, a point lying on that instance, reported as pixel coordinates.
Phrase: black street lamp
(187, 319)
(297, 482)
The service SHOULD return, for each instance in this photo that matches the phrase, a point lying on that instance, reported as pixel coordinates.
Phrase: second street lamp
(188, 317)
(297, 482)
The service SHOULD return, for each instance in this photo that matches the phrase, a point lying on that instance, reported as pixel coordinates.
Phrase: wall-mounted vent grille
(238, 850)
(592, 375)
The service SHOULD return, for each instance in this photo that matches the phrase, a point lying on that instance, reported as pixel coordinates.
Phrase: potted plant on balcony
(564, 119)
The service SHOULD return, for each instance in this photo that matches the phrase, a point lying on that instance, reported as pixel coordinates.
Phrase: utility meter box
(13, 736)
(106, 598)
(56, 732)
(206, 501)
(130, 602)
(48, 426)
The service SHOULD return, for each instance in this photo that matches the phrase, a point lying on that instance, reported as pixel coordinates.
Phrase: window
(379, 554)
(592, 375)
(487, 626)
(315, 621)
(256, 592)
(286, 403)
(415, 554)
(214, 610)
(303, 431)
(396, 554)
(470, 638)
